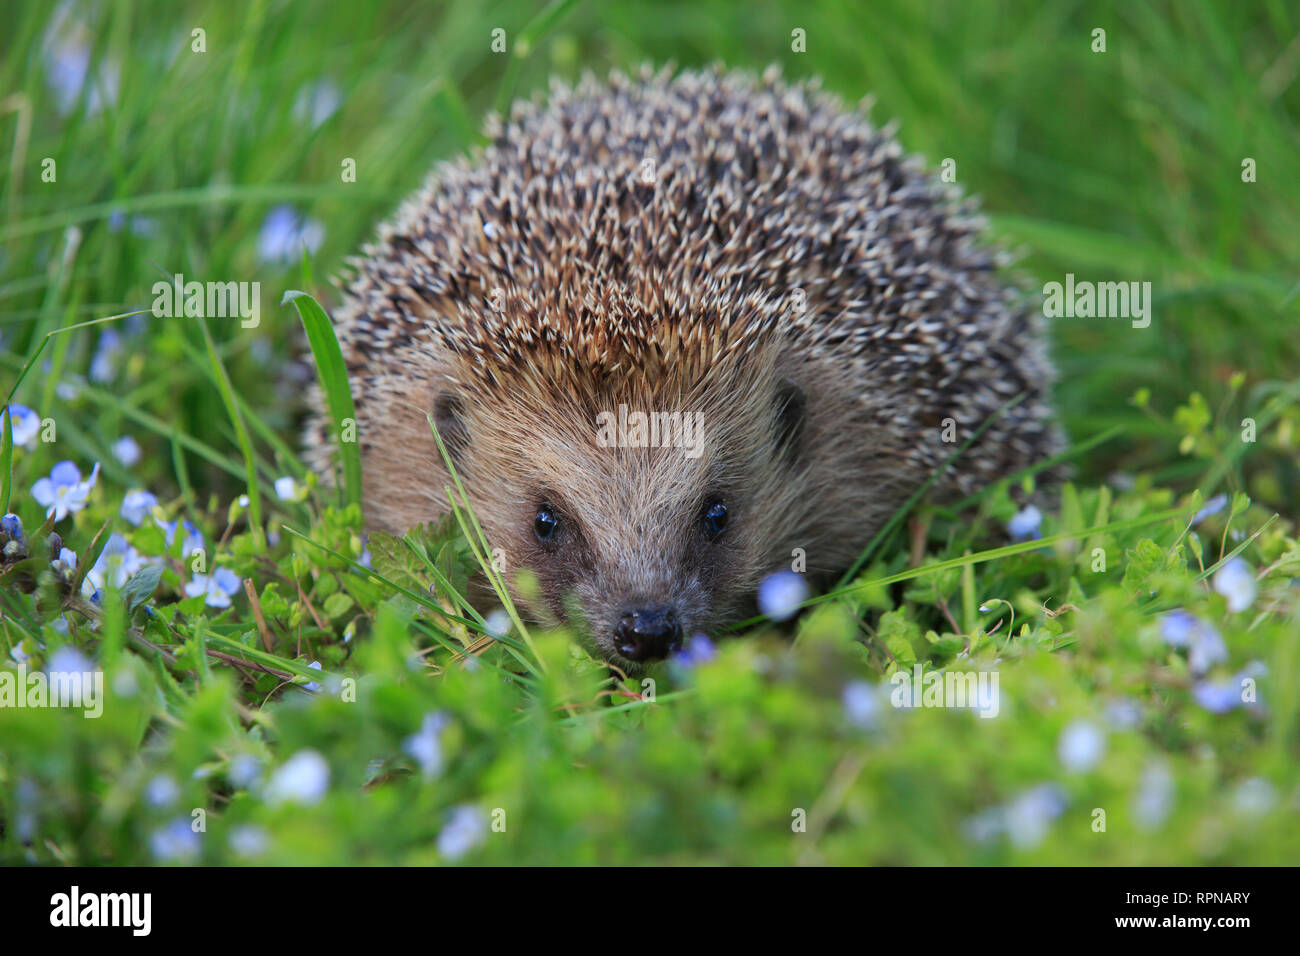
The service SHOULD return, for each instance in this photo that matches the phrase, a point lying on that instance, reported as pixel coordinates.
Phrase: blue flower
(216, 587)
(26, 424)
(1211, 507)
(304, 778)
(140, 225)
(247, 840)
(1155, 796)
(283, 235)
(425, 745)
(12, 527)
(193, 536)
(126, 450)
(117, 562)
(861, 704)
(698, 650)
(1025, 524)
(780, 594)
(64, 491)
(1206, 650)
(313, 686)
(1205, 646)
(1236, 582)
(161, 792)
(103, 365)
(136, 505)
(466, 830)
(1177, 627)
(244, 771)
(1123, 713)
(1024, 821)
(1028, 816)
(1081, 746)
(67, 51)
(65, 563)
(75, 671)
(176, 842)
(1218, 697)
(316, 103)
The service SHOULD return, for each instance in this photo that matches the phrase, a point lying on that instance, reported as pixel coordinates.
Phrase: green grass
(1123, 165)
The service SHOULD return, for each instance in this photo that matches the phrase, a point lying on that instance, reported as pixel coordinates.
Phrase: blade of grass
(465, 517)
(6, 455)
(241, 433)
(333, 375)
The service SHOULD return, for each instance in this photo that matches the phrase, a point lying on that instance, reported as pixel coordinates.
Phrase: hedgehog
(737, 259)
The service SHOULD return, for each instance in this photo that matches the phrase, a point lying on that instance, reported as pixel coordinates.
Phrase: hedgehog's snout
(648, 633)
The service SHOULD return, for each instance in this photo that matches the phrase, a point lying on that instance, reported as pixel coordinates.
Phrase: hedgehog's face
(645, 525)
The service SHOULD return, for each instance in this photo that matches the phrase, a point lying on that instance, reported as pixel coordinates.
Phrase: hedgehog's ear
(790, 407)
(449, 416)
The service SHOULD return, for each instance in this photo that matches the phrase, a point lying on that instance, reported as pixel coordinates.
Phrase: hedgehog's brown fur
(519, 295)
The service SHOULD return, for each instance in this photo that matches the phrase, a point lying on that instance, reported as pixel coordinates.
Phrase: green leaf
(140, 586)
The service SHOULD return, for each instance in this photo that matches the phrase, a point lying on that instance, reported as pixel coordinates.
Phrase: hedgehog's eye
(715, 519)
(545, 523)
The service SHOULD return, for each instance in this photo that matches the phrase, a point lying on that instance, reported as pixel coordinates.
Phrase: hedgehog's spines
(664, 221)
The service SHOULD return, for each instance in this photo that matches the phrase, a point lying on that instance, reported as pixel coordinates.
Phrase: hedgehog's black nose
(648, 633)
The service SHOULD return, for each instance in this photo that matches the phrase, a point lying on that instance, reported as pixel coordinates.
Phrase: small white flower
(286, 489)
(304, 779)
(65, 563)
(497, 623)
(1254, 797)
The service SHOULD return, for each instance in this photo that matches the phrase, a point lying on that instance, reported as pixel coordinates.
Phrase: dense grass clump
(280, 687)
